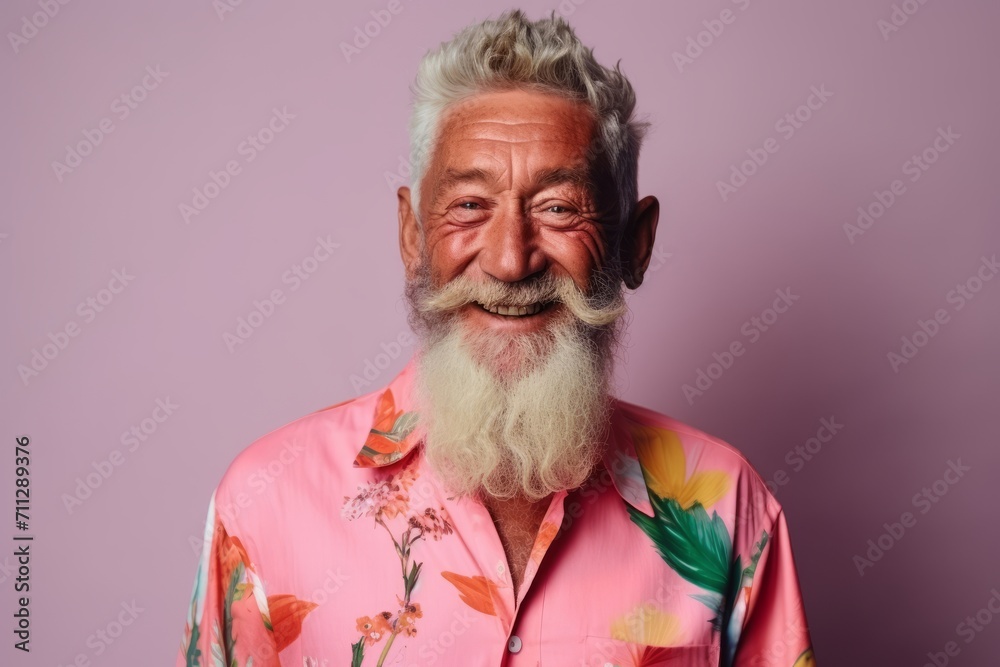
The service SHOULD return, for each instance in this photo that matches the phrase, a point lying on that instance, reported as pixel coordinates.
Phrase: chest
(518, 536)
(583, 589)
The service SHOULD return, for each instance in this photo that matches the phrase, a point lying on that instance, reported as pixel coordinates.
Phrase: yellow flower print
(806, 659)
(662, 457)
(650, 636)
(647, 625)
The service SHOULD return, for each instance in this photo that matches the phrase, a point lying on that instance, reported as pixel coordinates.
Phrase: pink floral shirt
(330, 542)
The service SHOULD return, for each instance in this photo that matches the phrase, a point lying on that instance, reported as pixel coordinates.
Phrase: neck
(517, 521)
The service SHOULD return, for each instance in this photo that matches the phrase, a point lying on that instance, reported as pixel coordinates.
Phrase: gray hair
(545, 55)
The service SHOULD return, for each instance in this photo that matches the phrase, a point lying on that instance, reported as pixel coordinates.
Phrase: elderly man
(494, 505)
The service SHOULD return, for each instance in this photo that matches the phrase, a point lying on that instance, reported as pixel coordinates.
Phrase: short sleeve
(228, 621)
(775, 633)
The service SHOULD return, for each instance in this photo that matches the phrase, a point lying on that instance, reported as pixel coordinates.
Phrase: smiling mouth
(515, 311)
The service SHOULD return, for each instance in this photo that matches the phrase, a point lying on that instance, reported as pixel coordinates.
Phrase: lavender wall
(887, 87)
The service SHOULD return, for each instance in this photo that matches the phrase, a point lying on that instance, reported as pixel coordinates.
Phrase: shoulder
(304, 454)
(691, 465)
(695, 440)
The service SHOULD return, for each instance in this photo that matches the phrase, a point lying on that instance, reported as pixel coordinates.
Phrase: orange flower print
(478, 592)
(389, 434)
(282, 615)
(374, 629)
(387, 502)
(287, 613)
(407, 612)
(546, 533)
(230, 552)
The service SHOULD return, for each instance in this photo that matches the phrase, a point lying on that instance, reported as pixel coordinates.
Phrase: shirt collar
(395, 432)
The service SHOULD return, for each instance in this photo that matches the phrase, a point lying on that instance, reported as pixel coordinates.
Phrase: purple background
(332, 172)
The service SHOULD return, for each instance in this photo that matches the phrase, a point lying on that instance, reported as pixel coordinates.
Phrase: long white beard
(527, 433)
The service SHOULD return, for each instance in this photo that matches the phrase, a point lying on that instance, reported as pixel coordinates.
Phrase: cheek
(451, 251)
(579, 252)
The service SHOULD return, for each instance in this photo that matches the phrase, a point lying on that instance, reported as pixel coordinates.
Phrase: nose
(510, 249)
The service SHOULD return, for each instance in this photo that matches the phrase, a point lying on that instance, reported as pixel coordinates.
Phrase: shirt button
(514, 645)
(501, 569)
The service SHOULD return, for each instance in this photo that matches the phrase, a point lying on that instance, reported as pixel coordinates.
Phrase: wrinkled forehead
(518, 117)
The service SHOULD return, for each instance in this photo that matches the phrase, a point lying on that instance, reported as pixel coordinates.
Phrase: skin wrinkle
(568, 126)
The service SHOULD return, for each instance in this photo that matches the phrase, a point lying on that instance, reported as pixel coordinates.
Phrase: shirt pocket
(609, 652)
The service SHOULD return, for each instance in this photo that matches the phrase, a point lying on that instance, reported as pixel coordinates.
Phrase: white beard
(525, 433)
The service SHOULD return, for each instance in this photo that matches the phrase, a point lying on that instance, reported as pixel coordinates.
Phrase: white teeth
(514, 311)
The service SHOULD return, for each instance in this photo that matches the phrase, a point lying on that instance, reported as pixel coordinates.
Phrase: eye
(469, 212)
(556, 214)
(556, 207)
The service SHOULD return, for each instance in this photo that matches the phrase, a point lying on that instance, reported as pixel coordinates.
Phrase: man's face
(507, 196)
(512, 296)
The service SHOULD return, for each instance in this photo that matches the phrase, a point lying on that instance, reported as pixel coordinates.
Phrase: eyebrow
(453, 177)
(579, 176)
(572, 175)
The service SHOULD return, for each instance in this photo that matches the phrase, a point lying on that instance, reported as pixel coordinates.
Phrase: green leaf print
(695, 546)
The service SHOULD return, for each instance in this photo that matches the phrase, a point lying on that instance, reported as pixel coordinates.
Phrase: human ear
(640, 235)
(409, 232)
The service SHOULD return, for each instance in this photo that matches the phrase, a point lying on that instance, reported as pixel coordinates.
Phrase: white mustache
(548, 289)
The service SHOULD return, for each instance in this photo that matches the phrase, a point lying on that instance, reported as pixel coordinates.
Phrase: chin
(508, 355)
